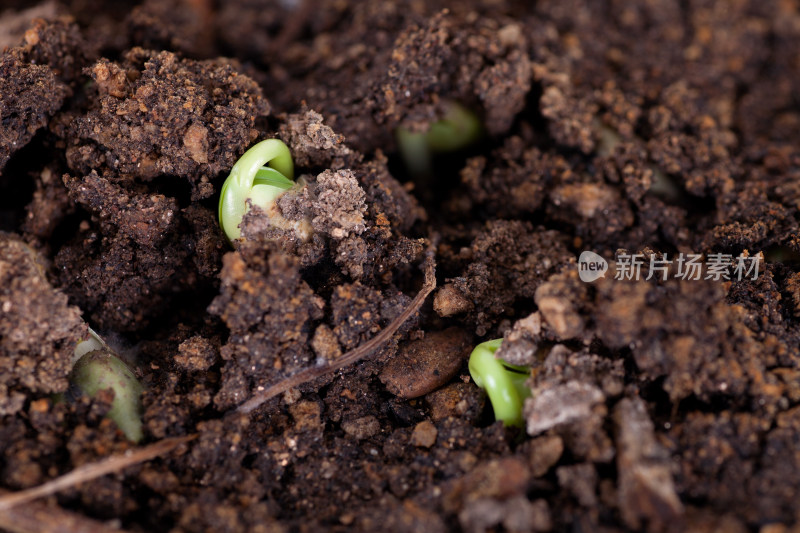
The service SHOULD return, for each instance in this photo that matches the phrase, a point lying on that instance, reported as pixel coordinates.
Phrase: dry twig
(42, 518)
(353, 355)
(90, 471)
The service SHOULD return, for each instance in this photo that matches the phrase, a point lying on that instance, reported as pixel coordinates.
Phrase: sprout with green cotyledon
(259, 177)
(96, 367)
(458, 129)
(504, 383)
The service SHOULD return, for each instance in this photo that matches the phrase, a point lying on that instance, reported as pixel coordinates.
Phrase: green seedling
(251, 182)
(661, 185)
(96, 368)
(458, 129)
(504, 383)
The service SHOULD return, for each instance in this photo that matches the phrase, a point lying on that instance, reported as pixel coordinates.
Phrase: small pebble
(362, 428)
(424, 435)
(428, 363)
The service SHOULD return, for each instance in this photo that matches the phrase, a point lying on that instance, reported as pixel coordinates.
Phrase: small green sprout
(96, 368)
(504, 383)
(459, 128)
(251, 181)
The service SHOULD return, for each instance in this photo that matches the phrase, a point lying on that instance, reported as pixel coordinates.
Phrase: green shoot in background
(459, 128)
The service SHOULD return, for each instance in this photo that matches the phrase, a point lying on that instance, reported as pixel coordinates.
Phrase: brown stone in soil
(428, 363)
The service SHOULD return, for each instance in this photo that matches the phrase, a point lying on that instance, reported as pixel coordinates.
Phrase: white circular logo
(591, 266)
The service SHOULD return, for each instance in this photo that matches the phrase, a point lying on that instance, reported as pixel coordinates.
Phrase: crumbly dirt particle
(566, 404)
(325, 344)
(520, 344)
(646, 489)
(31, 95)
(424, 435)
(307, 416)
(196, 142)
(498, 479)
(266, 342)
(125, 271)
(197, 354)
(38, 329)
(558, 309)
(157, 114)
(457, 399)
(338, 206)
(580, 482)
(543, 452)
(448, 302)
(313, 143)
(145, 218)
(508, 261)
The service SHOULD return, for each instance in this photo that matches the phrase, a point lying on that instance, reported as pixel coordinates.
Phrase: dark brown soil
(642, 127)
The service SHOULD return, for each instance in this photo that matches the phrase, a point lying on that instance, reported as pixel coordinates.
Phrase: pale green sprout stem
(459, 128)
(504, 383)
(661, 185)
(251, 180)
(94, 342)
(96, 368)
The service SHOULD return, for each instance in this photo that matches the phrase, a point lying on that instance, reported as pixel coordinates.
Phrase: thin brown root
(353, 355)
(36, 517)
(90, 471)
